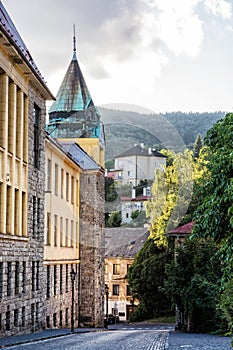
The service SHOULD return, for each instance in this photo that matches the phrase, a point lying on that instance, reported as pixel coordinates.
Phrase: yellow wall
(62, 189)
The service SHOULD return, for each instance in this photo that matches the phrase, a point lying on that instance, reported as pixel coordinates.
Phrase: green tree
(214, 217)
(172, 193)
(135, 214)
(198, 144)
(145, 276)
(193, 284)
(114, 219)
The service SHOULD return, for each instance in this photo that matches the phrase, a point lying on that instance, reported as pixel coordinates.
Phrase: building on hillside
(131, 204)
(138, 163)
(121, 246)
(23, 94)
(73, 118)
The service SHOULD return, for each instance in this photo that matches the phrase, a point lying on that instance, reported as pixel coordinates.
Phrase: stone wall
(21, 258)
(92, 249)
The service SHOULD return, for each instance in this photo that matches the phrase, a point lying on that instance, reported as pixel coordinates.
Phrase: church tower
(74, 116)
(74, 119)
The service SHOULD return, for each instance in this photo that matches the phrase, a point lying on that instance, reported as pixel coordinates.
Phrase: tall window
(72, 189)
(67, 277)
(49, 175)
(48, 230)
(36, 135)
(17, 277)
(61, 231)
(116, 269)
(55, 279)
(9, 277)
(61, 278)
(55, 230)
(62, 182)
(48, 282)
(23, 316)
(38, 216)
(56, 180)
(37, 274)
(115, 289)
(1, 278)
(16, 317)
(34, 217)
(24, 277)
(67, 186)
(33, 275)
(67, 232)
(33, 314)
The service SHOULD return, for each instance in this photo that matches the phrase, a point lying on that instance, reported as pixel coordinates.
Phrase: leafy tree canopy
(145, 277)
(214, 217)
(193, 284)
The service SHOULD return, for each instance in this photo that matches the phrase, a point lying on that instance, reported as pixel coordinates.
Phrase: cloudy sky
(164, 55)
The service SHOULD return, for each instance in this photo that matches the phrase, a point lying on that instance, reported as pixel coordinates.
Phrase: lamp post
(106, 287)
(72, 274)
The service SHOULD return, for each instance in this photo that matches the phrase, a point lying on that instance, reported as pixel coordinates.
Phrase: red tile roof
(187, 228)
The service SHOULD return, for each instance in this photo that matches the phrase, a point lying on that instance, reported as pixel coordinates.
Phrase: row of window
(65, 232)
(116, 268)
(58, 279)
(15, 274)
(68, 184)
(13, 132)
(58, 317)
(13, 210)
(17, 317)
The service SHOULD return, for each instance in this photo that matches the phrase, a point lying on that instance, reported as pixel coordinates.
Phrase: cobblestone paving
(115, 340)
(187, 341)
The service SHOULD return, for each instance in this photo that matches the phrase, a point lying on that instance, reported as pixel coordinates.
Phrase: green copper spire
(74, 114)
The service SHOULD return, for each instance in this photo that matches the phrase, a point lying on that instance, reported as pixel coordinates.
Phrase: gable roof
(124, 242)
(79, 156)
(138, 150)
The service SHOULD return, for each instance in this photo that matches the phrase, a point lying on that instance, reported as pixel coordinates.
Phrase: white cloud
(219, 7)
(180, 28)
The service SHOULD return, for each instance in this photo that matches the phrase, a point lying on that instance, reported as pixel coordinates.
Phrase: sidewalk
(42, 335)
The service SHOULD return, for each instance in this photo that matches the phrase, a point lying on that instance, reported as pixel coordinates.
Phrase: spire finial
(74, 43)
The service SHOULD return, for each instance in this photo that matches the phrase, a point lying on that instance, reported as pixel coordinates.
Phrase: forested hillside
(171, 130)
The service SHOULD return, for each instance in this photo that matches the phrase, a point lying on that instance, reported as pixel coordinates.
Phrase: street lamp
(106, 287)
(72, 274)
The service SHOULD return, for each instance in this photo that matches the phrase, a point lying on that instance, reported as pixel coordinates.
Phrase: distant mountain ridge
(174, 130)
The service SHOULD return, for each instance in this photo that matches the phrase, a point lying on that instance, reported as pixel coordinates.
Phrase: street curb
(50, 337)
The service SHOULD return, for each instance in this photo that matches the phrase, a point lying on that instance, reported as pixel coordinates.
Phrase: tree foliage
(172, 193)
(193, 284)
(114, 219)
(198, 144)
(145, 277)
(214, 217)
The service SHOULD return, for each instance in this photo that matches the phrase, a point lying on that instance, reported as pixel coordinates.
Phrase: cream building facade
(61, 252)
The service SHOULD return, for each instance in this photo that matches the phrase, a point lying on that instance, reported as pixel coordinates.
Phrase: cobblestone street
(119, 337)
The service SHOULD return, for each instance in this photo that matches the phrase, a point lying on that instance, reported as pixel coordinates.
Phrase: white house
(139, 163)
